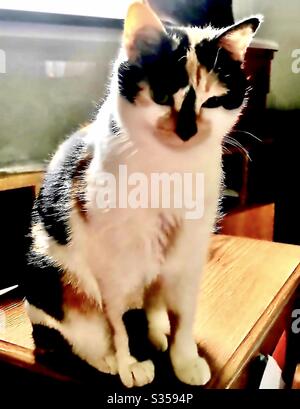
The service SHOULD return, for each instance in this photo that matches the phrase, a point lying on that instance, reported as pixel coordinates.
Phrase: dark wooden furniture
(248, 171)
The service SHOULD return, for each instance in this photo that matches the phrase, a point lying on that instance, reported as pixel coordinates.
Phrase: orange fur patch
(76, 299)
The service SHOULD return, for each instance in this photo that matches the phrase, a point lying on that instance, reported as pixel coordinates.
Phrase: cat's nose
(186, 129)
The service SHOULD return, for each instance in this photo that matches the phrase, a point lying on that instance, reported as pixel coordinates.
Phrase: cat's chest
(138, 241)
(140, 208)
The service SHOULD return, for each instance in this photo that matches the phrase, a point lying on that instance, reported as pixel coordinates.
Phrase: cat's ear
(140, 22)
(238, 37)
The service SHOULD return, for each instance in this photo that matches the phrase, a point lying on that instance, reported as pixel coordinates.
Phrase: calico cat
(174, 94)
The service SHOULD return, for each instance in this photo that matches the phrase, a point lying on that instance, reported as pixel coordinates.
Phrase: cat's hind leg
(91, 339)
(87, 334)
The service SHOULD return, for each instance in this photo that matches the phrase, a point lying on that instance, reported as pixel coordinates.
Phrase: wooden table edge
(21, 180)
(24, 358)
(258, 333)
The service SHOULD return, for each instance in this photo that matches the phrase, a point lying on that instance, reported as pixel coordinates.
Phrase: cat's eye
(160, 98)
(163, 99)
(213, 102)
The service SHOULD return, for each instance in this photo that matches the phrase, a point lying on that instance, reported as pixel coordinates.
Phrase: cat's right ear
(141, 22)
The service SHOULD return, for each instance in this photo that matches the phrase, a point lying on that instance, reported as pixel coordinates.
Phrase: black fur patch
(42, 285)
(80, 184)
(53, 350)
(160, 63)
(113, 126)
(129, 76)
(49, 339)
(229, 72)
(52, 206)
(186, 121)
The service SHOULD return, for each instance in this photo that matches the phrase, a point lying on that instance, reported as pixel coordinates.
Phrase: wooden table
(244, 303)
(16, 179)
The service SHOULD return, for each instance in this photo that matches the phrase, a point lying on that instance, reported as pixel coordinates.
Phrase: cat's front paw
(137, 373)
(194, 371)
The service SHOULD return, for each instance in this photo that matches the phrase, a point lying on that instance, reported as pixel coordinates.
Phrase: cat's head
(184, 84)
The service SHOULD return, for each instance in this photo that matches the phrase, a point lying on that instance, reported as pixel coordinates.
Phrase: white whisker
(216, 60)
(233, 142)
(247, 133)
(181, 58)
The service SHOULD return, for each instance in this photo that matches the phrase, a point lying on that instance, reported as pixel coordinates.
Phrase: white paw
(137, 373)
(193, 372)
(158, 339)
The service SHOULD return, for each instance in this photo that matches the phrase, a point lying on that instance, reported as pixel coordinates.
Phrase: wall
(55, 78)
(281, 25)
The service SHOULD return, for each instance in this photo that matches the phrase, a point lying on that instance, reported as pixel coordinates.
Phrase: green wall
(37, 111)
(282, 24)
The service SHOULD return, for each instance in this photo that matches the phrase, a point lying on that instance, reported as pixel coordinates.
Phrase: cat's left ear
(140, 22)
(237, 38)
